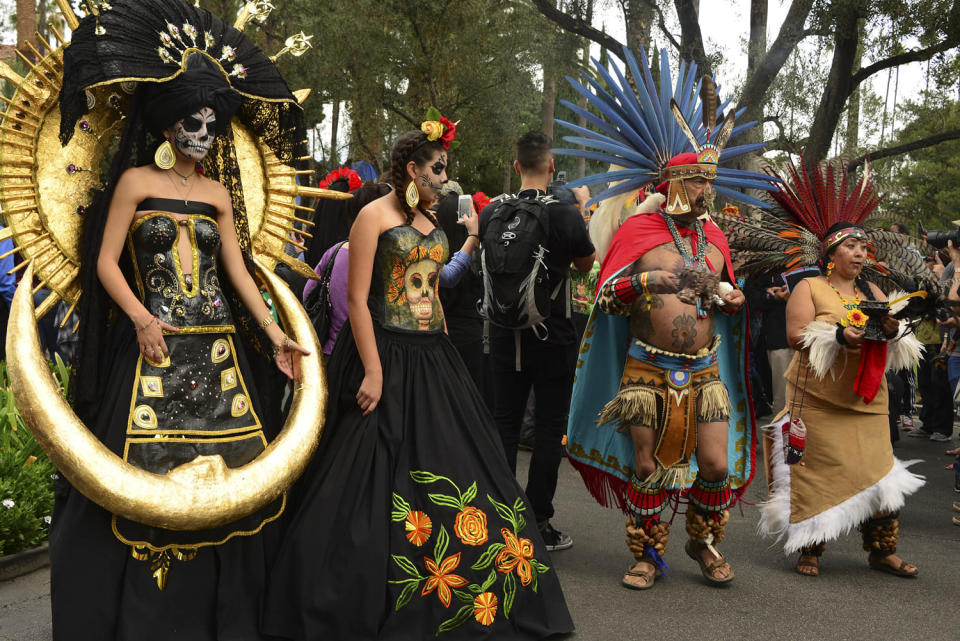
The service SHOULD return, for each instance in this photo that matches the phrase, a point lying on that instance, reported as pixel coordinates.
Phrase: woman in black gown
(413, 525)
(165, 381)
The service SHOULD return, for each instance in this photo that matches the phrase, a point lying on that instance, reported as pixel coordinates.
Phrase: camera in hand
(939, 238)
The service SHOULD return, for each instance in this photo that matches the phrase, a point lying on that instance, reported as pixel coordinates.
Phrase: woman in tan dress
(847, 475)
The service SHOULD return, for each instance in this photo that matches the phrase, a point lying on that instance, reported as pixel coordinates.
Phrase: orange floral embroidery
(471, 526)
(515, 555)
(418, 527)
(436, 253)
(441, 580)
(485, 608)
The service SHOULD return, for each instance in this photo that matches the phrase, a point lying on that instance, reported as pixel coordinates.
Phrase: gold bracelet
(265, 323)
(282, 346)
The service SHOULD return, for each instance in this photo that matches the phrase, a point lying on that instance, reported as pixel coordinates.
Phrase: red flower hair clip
(352, 177)
(440, 129)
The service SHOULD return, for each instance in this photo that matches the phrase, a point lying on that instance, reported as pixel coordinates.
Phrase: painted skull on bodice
(194, 135)
(420, 286)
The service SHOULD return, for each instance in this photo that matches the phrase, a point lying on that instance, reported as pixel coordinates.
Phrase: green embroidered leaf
(400, 508)
(535, 582)
(463, 596)
(445, 500)
(458, 619)
(406, 565)
(491, 579)
(420, 476)
(406, 594)
(440, 545)
(521, 523)
(539, 567)
(509, 591)
(475, 588)
(505, 512)
(518, 505)
(487, 557)
(470, 494)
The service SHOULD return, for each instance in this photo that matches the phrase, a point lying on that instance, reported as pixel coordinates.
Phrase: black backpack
(517, 291)
(317, 303)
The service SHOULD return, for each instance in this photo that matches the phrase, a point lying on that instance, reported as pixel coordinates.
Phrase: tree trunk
(756, 50)
(638, 17)
(691, 41)
(852, 138)
(766, 70)
(549, 98)
(334, 131)
(26, 25)
(507, 174)
(839, 84)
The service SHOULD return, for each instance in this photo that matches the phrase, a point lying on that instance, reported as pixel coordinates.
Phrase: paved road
(766, 601)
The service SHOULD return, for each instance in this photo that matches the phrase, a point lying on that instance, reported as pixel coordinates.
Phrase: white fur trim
(886, 495)
(821, 338)
(903, 352)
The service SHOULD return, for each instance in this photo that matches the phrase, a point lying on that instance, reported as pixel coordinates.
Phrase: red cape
(642, 232)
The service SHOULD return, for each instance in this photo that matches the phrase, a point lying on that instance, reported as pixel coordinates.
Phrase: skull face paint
(437, 168)
(420, 285)
(193, 136)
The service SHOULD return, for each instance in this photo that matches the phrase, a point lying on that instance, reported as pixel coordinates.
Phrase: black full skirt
(409, 523)
(99, 591)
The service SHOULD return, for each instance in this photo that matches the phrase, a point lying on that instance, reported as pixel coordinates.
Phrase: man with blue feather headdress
(660, 411)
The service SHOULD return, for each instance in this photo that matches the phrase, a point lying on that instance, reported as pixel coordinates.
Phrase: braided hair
(412, 145)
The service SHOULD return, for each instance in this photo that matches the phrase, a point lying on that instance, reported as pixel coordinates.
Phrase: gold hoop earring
(164, 158)
(412, 195)
(830, 267)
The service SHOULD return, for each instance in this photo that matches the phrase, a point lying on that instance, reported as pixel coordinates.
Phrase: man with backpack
(528, 243)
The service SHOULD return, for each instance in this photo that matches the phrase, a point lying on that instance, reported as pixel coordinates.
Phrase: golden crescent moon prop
(202, 494)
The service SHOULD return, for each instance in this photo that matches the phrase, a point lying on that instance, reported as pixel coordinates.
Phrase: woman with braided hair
(843, 474)
(412, 525)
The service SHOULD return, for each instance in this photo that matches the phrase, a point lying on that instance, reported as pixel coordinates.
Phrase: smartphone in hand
(463, 206)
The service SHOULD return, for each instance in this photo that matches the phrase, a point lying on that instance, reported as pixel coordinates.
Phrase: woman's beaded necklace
(855, 317)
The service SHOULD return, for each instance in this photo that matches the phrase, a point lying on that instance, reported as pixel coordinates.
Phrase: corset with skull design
(193, 299)
(406, 273)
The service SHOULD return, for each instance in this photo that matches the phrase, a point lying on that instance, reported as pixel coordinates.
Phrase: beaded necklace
(701, 244)
(855, 317)
(699, 260)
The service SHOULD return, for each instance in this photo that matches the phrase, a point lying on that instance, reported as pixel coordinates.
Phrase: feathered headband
(640, 129)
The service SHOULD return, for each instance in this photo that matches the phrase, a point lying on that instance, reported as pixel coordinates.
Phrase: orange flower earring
(830, 267)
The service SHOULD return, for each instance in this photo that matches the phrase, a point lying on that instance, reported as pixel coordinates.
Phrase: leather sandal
(808, 565)
(900, 570)
(648, 575)
(708, 569)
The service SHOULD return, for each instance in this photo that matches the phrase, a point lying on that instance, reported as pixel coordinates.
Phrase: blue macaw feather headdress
(642, 129)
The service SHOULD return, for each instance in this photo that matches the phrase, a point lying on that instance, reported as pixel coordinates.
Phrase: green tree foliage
(477, 61)
(924, 184)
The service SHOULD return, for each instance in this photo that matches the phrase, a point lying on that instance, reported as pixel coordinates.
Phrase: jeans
(548, 369)
(953, 374)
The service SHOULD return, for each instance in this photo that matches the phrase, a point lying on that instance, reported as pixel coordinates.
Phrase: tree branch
(907, 147)
(909, 56)
(791, 32)
(663, 23)
(579, 26)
